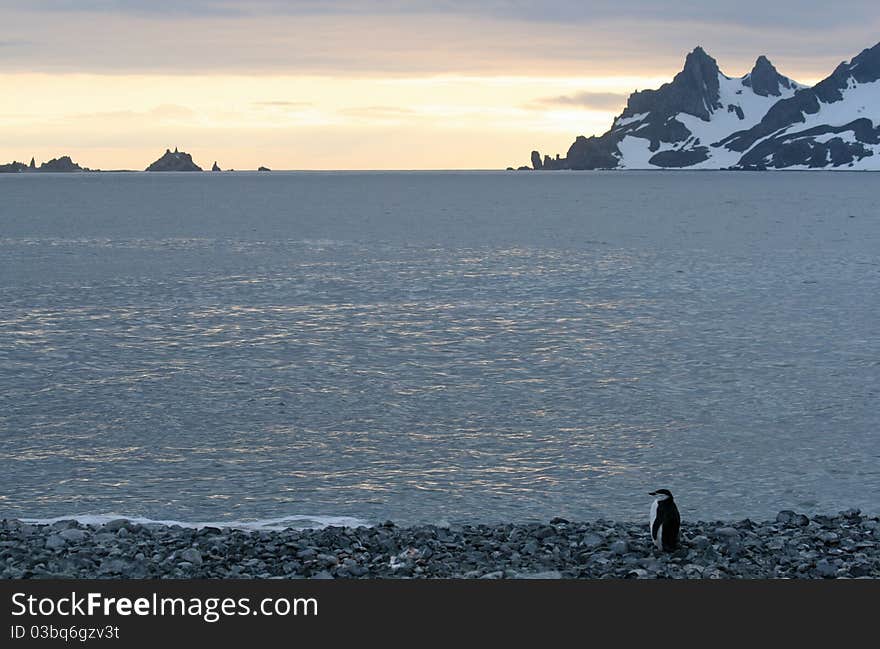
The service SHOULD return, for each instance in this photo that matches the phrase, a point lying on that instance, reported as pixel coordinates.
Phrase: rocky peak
(536, 160)
(694, 90)
(64, 163)
(865, 68)
(765, 80)
(699, 69)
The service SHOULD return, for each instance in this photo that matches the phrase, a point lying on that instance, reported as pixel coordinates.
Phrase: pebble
(620, 547)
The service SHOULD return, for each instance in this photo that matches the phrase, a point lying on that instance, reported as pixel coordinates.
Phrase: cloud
(378, 112)
(14, 43)
(171, 111)
(588, 100)
(156, 8)
(288, 105)
(397, 38)
(158, 114)
(786, 14)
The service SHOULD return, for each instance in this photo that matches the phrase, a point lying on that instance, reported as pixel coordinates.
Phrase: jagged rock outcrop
(264, 169)
(536, 161)
(765, 80)
(215, 167)
(705, 119)
(62, 164)
(174, 161)
(33, 165)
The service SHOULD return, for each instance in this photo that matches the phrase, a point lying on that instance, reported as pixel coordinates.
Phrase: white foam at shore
(297, 521)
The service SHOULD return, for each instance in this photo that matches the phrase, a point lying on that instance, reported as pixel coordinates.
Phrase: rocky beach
(845, 545)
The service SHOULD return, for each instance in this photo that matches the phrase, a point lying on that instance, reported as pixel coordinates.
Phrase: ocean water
(307, 348)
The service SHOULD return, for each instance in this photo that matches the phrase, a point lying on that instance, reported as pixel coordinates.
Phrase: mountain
(174, 161)
(704, 119)
(835, 123)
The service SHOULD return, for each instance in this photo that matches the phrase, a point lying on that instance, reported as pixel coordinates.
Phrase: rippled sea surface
(438, 346)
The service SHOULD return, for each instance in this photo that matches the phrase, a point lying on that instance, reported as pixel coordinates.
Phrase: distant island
(175, 161)
(55, 165)
(170, 161)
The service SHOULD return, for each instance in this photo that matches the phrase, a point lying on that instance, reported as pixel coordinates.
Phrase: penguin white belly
(659, 540)
(653, 517)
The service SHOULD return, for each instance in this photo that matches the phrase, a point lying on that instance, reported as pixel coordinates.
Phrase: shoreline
(845, 545)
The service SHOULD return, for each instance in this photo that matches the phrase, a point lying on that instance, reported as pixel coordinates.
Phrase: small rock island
(174, 161)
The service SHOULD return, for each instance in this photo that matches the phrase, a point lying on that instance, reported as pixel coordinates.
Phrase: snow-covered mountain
(704, 119)
(836, 123)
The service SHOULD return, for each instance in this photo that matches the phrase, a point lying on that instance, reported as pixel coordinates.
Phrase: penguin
(665, 520)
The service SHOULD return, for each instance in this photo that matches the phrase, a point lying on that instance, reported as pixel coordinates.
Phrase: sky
(340, 84)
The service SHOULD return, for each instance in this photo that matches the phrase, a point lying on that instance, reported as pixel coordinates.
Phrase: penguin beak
(652, 493)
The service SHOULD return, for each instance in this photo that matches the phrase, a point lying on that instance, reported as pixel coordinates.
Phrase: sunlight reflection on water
(559, 366)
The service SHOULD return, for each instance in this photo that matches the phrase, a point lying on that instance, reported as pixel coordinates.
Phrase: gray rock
(620, 547)
(829, 538)
(545, 574)
(74, 535)
(592, 541)
(192, 556)
(109, 566)
(544, 532)
(327, 560)
(786, 517)
(322, 575)
(55, 542)
(824, 568)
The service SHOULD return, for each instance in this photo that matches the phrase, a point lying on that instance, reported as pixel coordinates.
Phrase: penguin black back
(665, 520)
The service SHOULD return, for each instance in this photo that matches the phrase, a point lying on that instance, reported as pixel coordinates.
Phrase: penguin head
(661, 494)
